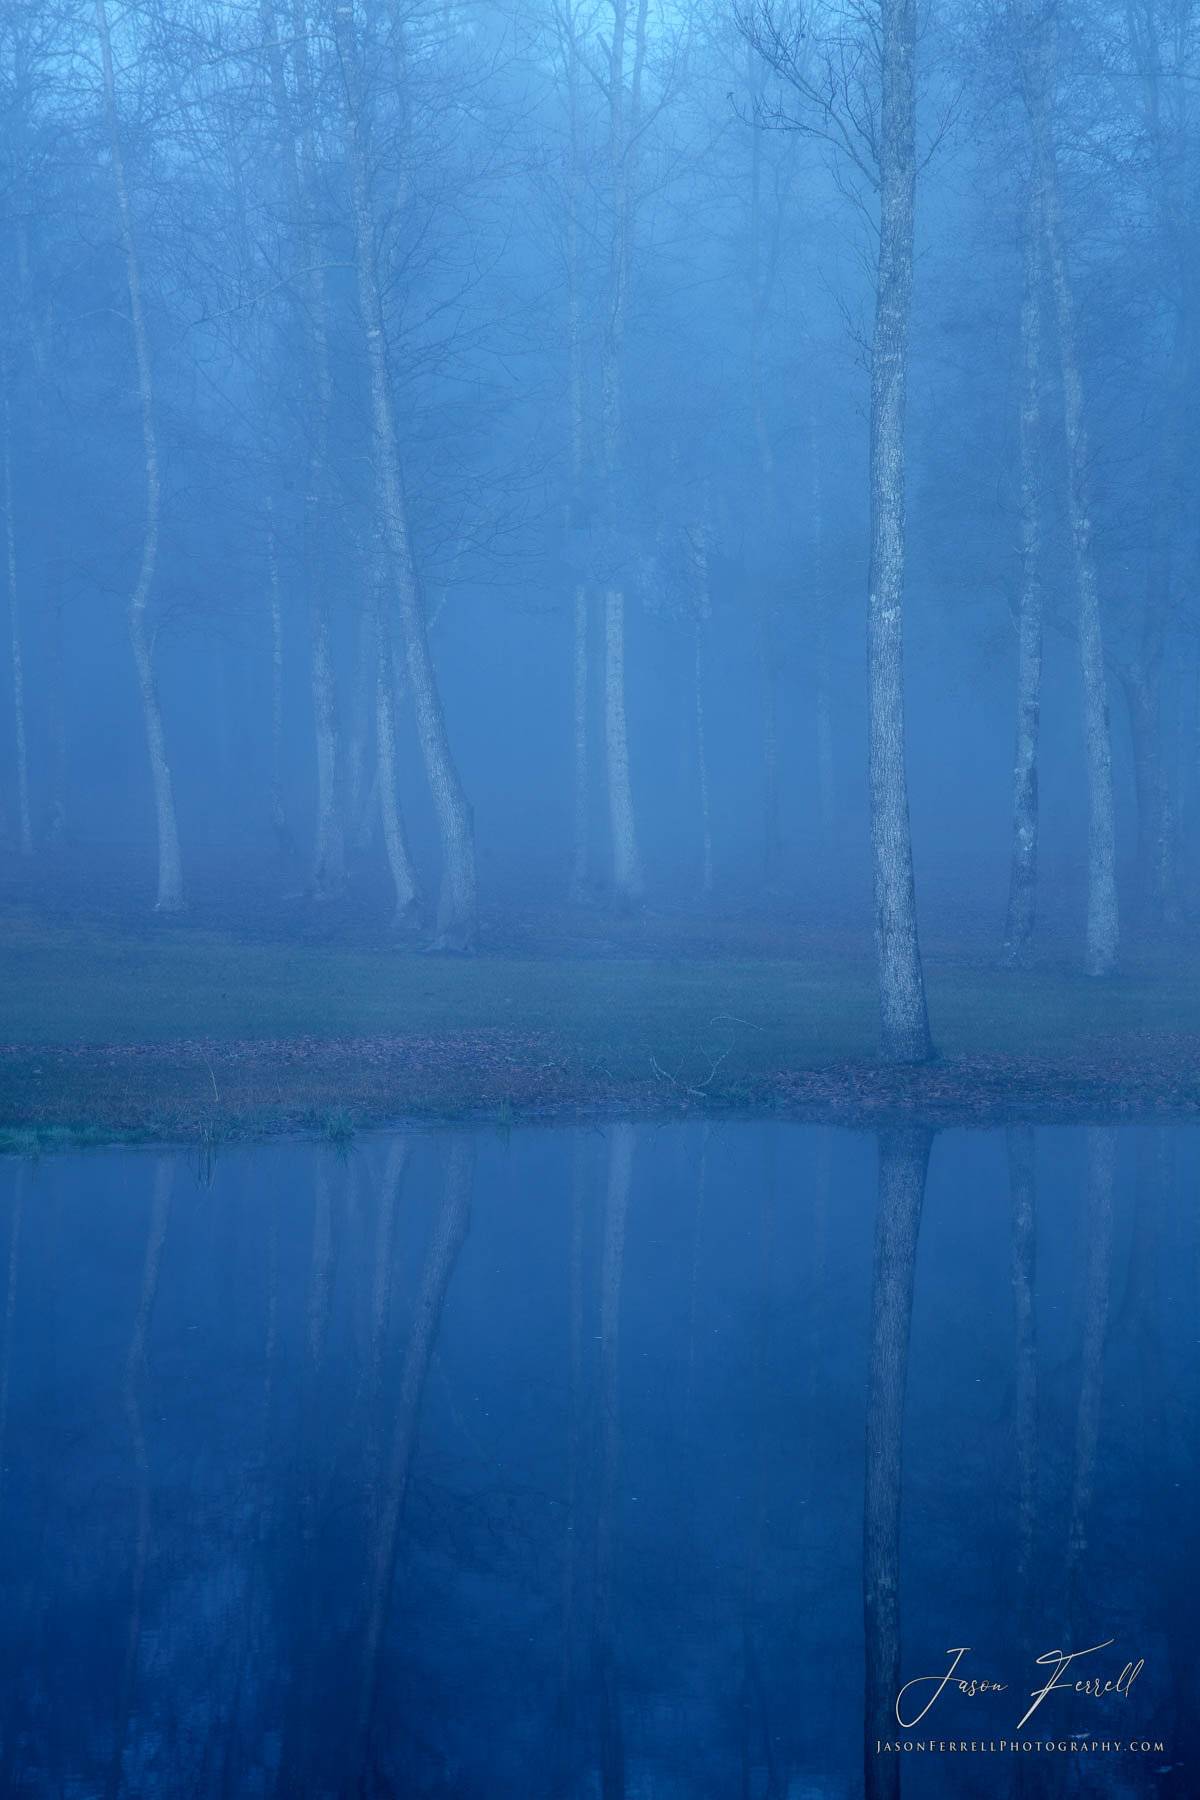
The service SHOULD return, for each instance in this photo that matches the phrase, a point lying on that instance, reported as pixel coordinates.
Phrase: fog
(495, 380)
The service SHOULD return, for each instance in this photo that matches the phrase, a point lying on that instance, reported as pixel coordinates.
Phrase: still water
(629, 1462)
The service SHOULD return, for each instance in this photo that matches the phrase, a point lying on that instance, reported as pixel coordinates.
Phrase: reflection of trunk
(135, 1369)
(170, 873)
(703, 609)
(756, 1718)
(298, 1749)
(1022, 887)
(448, 1237)
(10, 1308)
(1024, 1192)
(381, 1307)
(456, 916)
(567, 1735)
(14, 619)
(904, 1023)
(395, 837)
(627, 862)
(608, 1700)
(1101, 1156)
(294, 127)
(1037, 59)
(903, 1164)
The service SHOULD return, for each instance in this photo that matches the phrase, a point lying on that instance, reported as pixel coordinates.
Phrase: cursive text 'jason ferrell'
(1059, 1681)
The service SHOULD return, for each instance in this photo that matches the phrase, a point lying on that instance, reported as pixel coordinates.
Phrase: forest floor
(244, 1019)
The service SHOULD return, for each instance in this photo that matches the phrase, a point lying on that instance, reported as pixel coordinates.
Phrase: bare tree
(1022, 886)
(877, 131)
(1035, 44)
(457, 902)
(170, 871)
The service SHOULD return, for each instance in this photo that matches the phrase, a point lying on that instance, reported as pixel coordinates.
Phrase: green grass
(691, 1028)
(73, 987)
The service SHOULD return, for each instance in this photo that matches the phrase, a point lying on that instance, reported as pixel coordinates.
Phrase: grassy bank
(186, 1032)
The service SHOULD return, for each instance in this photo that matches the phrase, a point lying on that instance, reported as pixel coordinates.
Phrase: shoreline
(198, 1092)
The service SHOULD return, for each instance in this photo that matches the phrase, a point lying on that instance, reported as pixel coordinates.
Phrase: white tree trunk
(624, 129)
(904, 1022)
(457, 915)
(580, 747)
(628, 883)
(395, 838)
(24, 815)
(170, 872)
(1022, 887)
(1103, 931)
(279, 824)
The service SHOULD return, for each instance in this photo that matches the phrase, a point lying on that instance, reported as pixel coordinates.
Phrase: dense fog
(441, 433)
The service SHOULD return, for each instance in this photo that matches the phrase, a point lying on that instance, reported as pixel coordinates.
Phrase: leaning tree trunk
(449, 1234)
(457, 905)
(904, 1020)
(170, 872)
(1103, 930)
(1022, 884)
(903, 1165)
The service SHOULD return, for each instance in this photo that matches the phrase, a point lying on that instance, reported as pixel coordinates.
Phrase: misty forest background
(435, 459)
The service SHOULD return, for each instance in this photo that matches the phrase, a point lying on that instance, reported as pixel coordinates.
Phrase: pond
(614, 1462)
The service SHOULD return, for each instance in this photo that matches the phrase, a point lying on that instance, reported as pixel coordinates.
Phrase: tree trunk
(1022, 884)
(628, 882)
(903, 1165)
(395, 838)
(904, 1021)
(457, 919)
(580, 748)
(170, 872)
(622, 147)
(580, 744)
(768, 672)
(59, 746)
(706, 836)
(360, 789)
(1103, 930)
(24, 816)
(279, 824)
(826, 785)
(702, 612)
